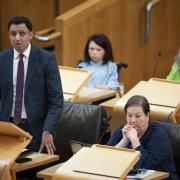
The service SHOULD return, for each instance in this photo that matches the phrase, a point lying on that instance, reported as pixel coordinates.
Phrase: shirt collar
(26, 52)
(97, 63)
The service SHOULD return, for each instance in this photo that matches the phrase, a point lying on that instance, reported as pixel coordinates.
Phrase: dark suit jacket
(43, 96)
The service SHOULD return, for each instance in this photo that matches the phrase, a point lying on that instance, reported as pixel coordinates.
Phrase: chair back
(173, 133)
(80, 122)
(119, 67)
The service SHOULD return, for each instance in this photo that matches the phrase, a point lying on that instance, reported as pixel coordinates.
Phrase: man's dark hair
(138, 100)
(102, 41)
(20, 20)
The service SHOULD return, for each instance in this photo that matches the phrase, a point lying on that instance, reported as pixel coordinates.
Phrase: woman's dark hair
(102, 41)
(138, 100)
(20, 20)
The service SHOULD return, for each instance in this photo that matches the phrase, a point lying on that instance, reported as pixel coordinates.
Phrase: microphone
(157, 62)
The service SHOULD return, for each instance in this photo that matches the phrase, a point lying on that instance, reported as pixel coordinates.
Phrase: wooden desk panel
(38, 159)
(158, 112)
(115, 107)
(48, 173)
(90, 95)
(73, 80)
(12, 141)
(161, 92)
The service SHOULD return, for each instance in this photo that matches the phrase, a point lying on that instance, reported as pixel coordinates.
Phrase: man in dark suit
(42, 97)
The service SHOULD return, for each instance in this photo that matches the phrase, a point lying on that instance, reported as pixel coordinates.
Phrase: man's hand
(47, 141)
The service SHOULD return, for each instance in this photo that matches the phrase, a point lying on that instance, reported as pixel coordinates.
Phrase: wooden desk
(12, 141)
(115, 108)
(90, 95)
(158, 110)
(109, 105)
(38, 159)
(48, 173)
(109, 108)
(73, 80)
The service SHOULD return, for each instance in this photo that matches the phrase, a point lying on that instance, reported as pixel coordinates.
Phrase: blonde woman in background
(175, 70)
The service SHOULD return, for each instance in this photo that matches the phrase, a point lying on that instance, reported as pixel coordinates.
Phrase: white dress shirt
(15, 67)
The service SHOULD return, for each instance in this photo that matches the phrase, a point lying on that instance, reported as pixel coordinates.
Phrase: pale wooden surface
(161, 92)
(109, 105)
(38, 159)
(115, 117)
(65, 172)
(4, 170)
(85, 161)
(159, 112)
(10, 129)
(115, 107)
(74, 90)
(48, 173)
(90, 95)
(73, 80)
(99, 157)
(17, 140)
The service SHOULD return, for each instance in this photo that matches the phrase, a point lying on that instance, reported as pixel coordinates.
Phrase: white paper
(141, 175)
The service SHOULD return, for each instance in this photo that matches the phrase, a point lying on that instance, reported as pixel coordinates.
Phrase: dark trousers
(34, 146)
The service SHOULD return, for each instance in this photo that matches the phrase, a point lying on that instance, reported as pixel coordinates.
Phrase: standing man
(30, 87)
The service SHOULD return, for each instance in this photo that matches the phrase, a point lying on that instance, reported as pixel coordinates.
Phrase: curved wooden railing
(149, 7)
(62, 32)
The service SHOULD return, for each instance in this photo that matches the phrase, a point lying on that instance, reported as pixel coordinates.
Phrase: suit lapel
(9, 69)
(31, 66)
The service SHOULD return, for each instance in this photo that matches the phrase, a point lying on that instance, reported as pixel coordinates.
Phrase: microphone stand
(157, 62)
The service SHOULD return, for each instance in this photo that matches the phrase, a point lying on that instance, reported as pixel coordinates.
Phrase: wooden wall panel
(164, 37)
(124, 23)
(41, 12)
(65, 5)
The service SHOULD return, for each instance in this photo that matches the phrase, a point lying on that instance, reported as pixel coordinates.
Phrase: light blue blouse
(103, 74)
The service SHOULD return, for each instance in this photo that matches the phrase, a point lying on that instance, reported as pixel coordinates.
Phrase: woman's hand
(132, 135)
(125, 129)
(124, 141)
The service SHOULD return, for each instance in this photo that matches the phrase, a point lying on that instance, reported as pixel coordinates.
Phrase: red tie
(19, 90)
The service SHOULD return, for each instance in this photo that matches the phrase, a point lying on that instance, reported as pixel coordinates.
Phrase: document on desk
(141, 175)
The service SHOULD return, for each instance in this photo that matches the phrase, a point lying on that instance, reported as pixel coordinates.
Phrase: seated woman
(144, 136)
(98, 58)
(175, 71)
